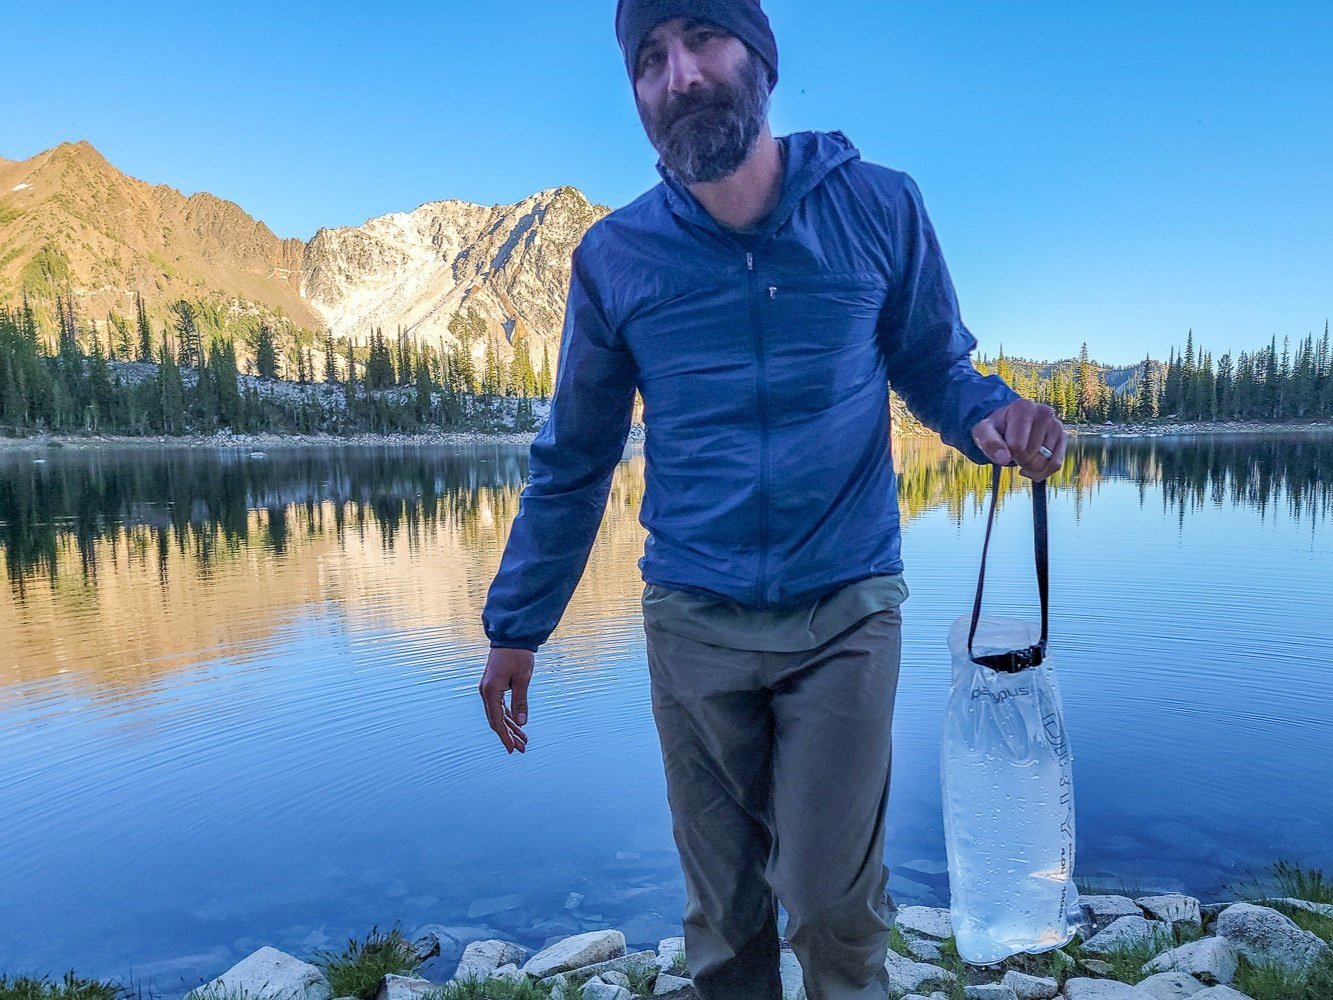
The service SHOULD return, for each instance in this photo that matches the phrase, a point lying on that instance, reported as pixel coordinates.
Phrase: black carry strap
(1016, 659)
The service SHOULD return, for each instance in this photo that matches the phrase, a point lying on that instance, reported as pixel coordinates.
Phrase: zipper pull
(772, 291)
(749, 261)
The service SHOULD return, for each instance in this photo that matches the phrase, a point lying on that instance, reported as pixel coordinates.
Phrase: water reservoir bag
(1006, 776)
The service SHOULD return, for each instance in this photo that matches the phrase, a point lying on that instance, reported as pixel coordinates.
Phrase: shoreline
(81, 442)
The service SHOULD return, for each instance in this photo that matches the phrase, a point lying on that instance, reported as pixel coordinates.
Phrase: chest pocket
(819, 338)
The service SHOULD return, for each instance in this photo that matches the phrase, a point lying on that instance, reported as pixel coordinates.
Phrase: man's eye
(649, 59)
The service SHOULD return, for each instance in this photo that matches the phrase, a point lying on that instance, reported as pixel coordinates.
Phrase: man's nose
(684, 70)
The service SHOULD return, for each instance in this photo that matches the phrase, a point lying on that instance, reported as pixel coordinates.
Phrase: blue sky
(1114, 173)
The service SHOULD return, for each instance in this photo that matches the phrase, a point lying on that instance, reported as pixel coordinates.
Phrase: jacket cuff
(531, 647)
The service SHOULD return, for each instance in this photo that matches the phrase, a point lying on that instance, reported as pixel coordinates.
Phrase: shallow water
(238, 696)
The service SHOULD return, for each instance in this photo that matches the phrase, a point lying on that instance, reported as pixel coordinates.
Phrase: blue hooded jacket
(764, 363)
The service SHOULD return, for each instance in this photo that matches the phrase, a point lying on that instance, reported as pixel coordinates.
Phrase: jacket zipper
(760, 360)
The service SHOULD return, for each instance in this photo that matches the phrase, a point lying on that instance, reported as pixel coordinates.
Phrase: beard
(705, 135)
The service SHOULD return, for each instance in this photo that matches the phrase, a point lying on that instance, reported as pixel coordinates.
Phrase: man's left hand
(1026, 433)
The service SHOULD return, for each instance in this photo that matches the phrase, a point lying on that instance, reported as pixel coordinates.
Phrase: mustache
(684, 105)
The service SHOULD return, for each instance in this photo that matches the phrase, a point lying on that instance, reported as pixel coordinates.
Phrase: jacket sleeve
(570, 465)
(926, 345)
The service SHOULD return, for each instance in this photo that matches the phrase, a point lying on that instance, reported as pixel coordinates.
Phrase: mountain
(415, 270)
(68, 218)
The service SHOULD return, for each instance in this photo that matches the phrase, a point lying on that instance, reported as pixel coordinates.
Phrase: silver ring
(1046, 452)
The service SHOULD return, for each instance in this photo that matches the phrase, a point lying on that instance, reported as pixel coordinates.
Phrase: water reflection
(77, 512)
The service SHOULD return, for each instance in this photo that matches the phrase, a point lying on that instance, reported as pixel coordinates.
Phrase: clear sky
(1113, 172)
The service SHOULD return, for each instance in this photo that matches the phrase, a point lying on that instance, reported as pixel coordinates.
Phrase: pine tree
(266, 354)
(189, 343)
(145, 332)
(330, 360)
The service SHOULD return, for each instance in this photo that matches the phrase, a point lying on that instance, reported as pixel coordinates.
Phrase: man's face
(702, 96)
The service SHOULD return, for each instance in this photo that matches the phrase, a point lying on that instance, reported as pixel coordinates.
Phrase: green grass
(71, 987)
(1269, 982)
(474, 988)
(1295, 881)
(356, 971)
(898, 943)
(680, 967)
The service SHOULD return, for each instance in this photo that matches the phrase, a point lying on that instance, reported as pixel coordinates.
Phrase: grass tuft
(70, 987)
(1272, 982)
(475, 988)
(356, 971)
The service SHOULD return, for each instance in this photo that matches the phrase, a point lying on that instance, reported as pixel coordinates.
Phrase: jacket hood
(811, 156)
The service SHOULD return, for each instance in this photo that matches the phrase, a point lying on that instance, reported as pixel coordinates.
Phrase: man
(759, 299)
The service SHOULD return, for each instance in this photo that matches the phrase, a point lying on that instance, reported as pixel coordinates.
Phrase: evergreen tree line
(58, 384)
(1265, 384)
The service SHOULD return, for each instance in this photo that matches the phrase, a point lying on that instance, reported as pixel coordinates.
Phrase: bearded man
(760, 299)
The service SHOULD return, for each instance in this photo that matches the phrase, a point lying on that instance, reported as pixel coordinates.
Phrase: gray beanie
(743, 18)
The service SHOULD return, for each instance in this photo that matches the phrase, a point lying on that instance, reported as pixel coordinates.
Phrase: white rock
(614, 976)
(573, 900)
(669, 986)
(989, 991)
(1171, 985)
(270, 974)
(667, 950)
(1323, 909)
(1264, 936)
(1126, 931)
(1211, 959)
(1104, 909)
(923, 949)
(1173, 907)
(481, 958)
(509, 971)
(904, 975)
(404, 988)
(576, 951)
(598, 990)
(928, 921)
(793, 981)
(1221, 993)
(1103, 989)
(1027, 987)
(640, 961)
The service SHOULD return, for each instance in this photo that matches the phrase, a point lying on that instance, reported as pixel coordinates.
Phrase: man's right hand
(507, 670)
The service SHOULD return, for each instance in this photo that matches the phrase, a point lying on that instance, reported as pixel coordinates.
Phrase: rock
(905, 975)
(1171, 985)
(1102, 910)
(267, 973)
(1027, 987)
(435, 940)
(573, 900)
(1211, 959)
(1323, 909)
(1096, 966)
(667, 950)
(989, 991)
(574, 952)
(404, 988)
(927, 921)
(481, 958)
(1264, 936)
(510, 972)
(670, 986)
(923, 949)
(640, 961)
(614, 976)
(1173, 907)
(495, 904)
(595, 989)
(1103, 989)
(1126, 931)
(1221, 993)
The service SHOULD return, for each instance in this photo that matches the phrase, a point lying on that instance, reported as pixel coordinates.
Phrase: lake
(238, 695)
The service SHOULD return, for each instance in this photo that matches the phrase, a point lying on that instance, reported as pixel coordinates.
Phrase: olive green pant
(777, 772)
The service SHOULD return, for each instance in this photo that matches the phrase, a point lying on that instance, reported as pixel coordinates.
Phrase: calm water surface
(238, 696)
